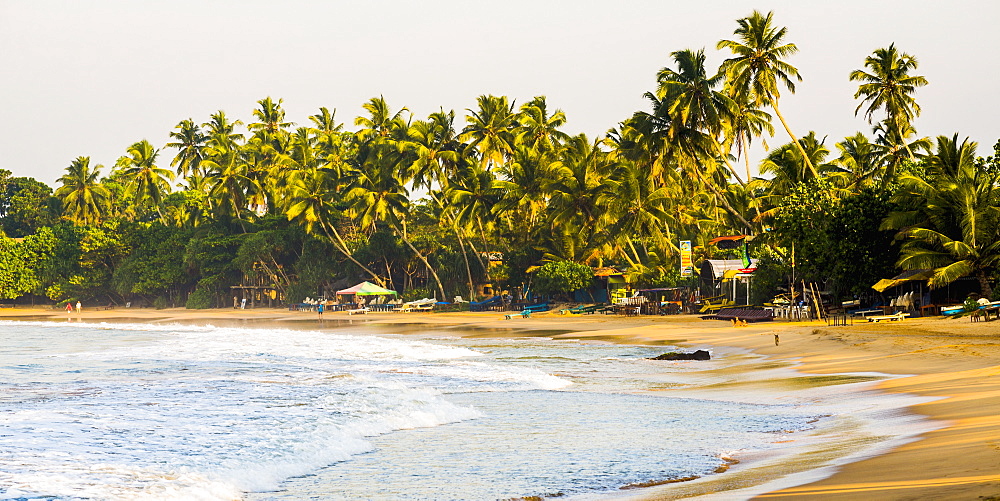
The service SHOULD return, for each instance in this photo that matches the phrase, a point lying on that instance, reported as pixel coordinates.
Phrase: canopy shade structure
(717, 268)
(728, 242)
(903, 277)
(367, 289)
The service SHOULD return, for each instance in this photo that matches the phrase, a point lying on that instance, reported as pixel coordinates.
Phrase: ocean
(115, 411)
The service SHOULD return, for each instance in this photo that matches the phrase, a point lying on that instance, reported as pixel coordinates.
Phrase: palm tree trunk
(424, 260)
(479, 258)
(341, 246)
(486, 247)
(746, 155)
(733, 170)
(468, 270)
(721, 197)
(795, 140)
(635, 252)
(461, 243)
(984, 285)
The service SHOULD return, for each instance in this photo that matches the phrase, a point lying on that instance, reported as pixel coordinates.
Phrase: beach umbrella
(367, 289)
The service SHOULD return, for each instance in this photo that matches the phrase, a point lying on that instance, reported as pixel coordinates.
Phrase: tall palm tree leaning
(758, 66)
(697, 113)
(84, 199)
(889, 86)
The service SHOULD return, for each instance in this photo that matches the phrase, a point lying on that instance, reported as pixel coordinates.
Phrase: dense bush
(562, 277)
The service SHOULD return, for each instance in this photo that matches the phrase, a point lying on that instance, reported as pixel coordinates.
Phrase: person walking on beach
(69, 307)
(78, 307)
(319, 309)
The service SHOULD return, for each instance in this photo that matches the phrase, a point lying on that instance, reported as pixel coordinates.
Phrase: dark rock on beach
(676, 355)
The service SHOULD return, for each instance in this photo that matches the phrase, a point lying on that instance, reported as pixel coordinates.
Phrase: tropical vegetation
(510, 198)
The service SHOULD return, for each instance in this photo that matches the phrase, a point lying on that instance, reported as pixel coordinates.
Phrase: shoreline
(955, 362)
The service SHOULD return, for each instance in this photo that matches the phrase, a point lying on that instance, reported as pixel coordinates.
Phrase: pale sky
(89, 78)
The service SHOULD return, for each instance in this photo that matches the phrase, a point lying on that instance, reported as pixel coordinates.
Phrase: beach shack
(909, 291)
(609, 283)
(727, 277)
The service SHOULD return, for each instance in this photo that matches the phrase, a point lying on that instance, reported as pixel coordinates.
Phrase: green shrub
(557, 277)
(203, 294)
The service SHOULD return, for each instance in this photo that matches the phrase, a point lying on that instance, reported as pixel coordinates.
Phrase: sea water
(143, 411)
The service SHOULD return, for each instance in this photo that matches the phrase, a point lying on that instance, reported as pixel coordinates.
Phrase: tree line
(428, 205)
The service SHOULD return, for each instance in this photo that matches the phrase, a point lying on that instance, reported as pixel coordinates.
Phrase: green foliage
(25, 205)
(155, 264)
(83, 261)
(161, 302)
(417, 293)
(556, 277)
(204, 294)
(837, 241)
(970, 304)
(19, 262)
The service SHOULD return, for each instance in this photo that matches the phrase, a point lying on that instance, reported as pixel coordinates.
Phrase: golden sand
(954, 360)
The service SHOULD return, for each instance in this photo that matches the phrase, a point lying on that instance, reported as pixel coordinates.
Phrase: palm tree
(953, 221)
(310, 201)
(861, 160)
(145, 180)
(221, 132)
(378, 195)
(228, 182)
(889, 86)
(638, 208)
(84, 199)
(758, 65)
(697, 113)
(381, 122)
(579, 187)
(271, 119)
(746, 123)
(537, 129)
(490, 130)
(435, 145)
(190, 142)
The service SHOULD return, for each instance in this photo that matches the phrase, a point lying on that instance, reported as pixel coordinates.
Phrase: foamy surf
(112, 411)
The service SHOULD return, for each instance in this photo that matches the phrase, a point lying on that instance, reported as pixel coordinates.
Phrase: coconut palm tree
(491, 130)
(861, 160)
(381, 122)
(84, 198)
(537, 129)
(229, 184)
(221, 132)
(189, 143)
(380, 196)
(758, 69)
(638, 209)
(271, 119)
(697, 113)
(312, 195)
(889, 86)
(146, 181)
(953, 221)
(747, 123)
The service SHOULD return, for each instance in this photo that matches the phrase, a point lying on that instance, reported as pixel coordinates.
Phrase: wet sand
(955, 361)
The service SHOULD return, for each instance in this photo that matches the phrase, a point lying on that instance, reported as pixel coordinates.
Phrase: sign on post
(686, 264)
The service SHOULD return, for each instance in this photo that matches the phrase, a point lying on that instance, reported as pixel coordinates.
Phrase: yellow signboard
(686, 264)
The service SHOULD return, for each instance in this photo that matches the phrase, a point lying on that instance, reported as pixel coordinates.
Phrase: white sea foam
(135, 411)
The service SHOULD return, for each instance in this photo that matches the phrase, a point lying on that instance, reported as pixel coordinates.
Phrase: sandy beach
(956, 362)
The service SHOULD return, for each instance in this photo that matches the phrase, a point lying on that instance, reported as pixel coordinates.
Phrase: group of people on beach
(69, 307)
